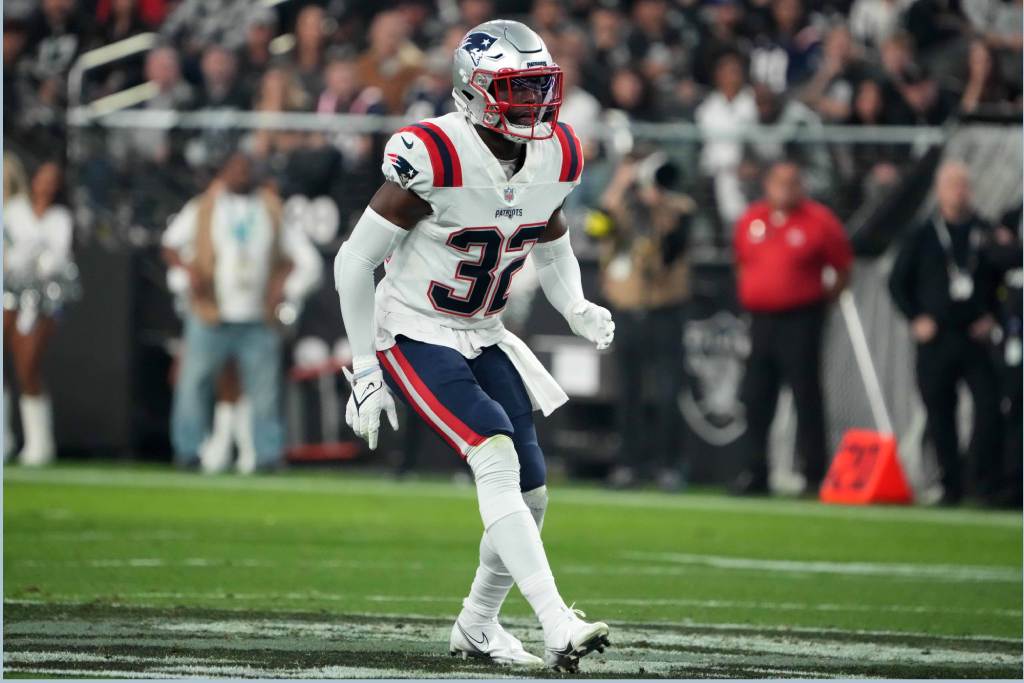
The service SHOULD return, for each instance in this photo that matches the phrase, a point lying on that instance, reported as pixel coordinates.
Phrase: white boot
(488, 640)
(215, 453)
(571, 639)
(243, 437)
(9, 445)
(37, 421)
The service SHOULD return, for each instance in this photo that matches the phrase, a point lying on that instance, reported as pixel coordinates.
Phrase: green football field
(141, 571)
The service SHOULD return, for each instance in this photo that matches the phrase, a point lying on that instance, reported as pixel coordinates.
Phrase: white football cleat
(490, 641)
(573, 639)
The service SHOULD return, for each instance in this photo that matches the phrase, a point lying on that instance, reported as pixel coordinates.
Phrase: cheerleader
(37, 257)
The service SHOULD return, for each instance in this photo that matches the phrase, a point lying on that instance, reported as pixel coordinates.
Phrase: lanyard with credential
(961, 282)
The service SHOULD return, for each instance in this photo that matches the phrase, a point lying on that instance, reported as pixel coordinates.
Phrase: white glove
(369, 396)
(592, 322)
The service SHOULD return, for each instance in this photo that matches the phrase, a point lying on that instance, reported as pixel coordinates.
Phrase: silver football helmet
(504, 79)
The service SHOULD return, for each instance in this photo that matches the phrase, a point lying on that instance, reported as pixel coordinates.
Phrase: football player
(468, 197)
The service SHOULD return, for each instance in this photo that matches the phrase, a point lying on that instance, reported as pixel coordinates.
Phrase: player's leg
(438, 384)
(204, 353)
(492, 581)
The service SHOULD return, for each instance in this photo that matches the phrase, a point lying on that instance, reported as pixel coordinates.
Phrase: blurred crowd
(723, 64)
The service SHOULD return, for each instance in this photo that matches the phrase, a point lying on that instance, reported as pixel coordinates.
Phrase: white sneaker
(489, 640)
(573, 639)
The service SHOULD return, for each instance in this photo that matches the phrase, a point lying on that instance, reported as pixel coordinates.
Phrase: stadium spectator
(655, 41)
(57, 33)
(163, 70)
(944, 283)
(390, 62)
(149, 12)
(788, 114)
(787, 54)
(831, 91)
(723, 28)
(872, 22)
(608, 53)
(16, 88)
(871, 170)
(307, 58)
(220, 90)
(119, 20)
(242, 264)
(645, 278)
(37, 250)
(725, 113)
(194, 24)
(984, 85)
(475, 12)
(792, 258)
(255, 56)
(929, 103)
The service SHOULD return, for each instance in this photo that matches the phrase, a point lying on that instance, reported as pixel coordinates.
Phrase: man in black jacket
(945, 284)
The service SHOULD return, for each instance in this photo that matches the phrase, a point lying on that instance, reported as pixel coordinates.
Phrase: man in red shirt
(792, 258)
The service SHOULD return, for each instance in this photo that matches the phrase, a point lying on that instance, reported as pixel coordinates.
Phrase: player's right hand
(370, 395)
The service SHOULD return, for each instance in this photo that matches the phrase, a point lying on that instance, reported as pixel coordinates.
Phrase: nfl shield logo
(510, 195)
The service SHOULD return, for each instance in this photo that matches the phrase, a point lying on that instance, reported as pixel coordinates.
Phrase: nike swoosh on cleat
(408, 145)
(373, 390)
(483, 639)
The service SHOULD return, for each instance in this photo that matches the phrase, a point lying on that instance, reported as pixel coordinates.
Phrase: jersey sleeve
(571, 168)
(407, 163)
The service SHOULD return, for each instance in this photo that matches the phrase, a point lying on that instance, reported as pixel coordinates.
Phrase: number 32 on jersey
(481, 272)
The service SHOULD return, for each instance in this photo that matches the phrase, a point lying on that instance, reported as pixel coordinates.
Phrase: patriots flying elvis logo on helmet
(402, 166)
(476, 44)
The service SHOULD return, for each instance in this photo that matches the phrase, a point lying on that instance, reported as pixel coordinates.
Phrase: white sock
(510, 528)
(37, 422)
(492, 582)
(243, 437)
(215, 453)
(517, 541)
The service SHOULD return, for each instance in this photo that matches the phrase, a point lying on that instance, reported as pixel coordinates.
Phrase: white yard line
(941, 572)
(333, 485)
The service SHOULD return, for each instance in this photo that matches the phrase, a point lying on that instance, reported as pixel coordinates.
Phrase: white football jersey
(453, 271)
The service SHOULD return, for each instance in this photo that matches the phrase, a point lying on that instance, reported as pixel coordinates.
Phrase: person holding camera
(643, 229)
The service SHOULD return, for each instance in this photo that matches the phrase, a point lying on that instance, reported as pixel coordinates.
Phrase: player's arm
(560, 279)
(392, 212)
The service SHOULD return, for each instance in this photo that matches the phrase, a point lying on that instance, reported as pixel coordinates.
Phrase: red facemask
(526, 101)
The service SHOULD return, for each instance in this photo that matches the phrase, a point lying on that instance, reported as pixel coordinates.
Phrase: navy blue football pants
(466, 400)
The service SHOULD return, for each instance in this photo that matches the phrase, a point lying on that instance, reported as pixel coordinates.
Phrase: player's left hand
(593, 323)
(369, 396)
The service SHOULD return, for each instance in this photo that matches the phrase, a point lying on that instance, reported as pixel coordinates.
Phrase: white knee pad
(496, 470)
(537, 500)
